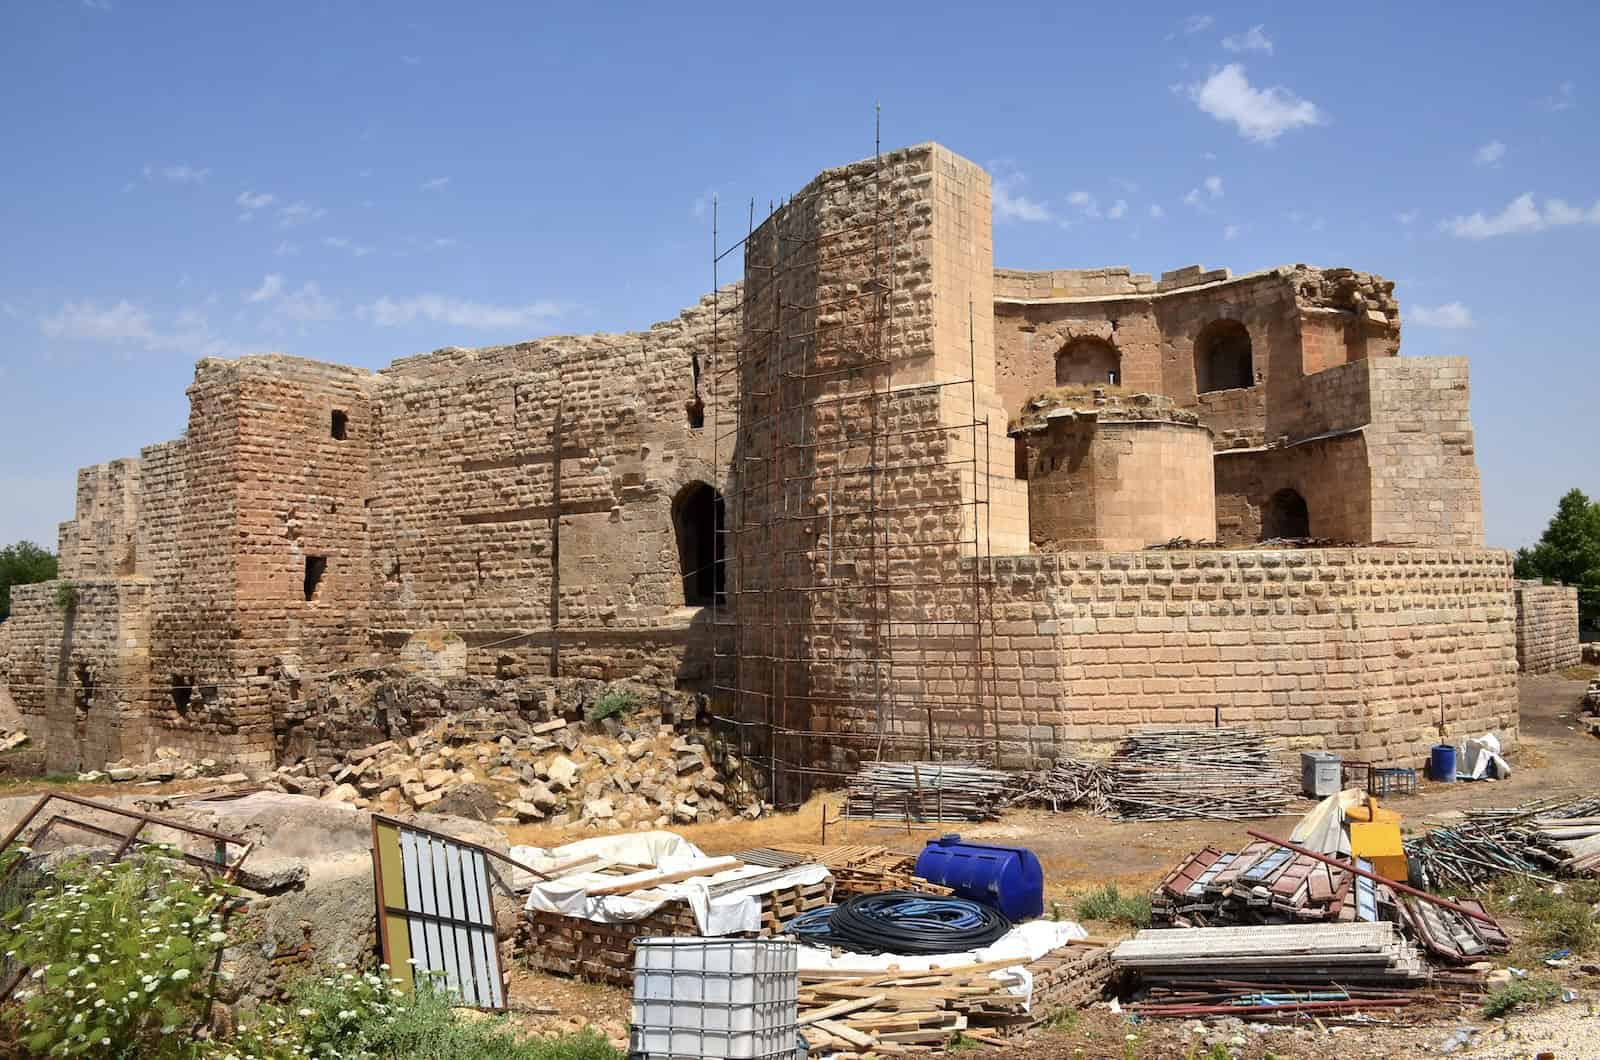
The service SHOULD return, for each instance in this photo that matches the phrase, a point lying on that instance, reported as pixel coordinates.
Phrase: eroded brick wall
(1353, 650)
(1547, 628)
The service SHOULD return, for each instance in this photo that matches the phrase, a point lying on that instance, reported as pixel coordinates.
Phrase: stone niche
(1114, 471)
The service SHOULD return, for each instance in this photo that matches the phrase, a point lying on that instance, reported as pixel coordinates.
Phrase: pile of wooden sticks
(1176, 774)
(928, 791)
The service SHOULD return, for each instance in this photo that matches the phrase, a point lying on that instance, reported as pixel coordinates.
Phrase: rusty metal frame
(128, 840)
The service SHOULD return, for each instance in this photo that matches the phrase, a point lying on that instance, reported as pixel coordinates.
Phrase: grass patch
(615, 703)
(1582, 672)
(1110, 905)
(1521, 993)
(1552, 921)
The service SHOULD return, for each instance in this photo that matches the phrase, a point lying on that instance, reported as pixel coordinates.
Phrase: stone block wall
(1547, 627)
(1425, 485)
(1353, 650)
(101, 541)
(1330, 474)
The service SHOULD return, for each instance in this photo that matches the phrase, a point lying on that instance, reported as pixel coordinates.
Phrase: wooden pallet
(590, 949)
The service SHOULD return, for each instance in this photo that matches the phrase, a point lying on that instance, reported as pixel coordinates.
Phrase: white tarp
(1024, 943)
(731, 910)
(1480, 758)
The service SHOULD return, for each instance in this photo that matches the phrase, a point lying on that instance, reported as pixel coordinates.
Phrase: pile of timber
(928, 791)
(894, 1013)
(1069, 782)
(1539, 841)
(856, 869)
(1178, 774)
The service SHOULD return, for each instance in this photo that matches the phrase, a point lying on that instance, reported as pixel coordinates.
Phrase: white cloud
(1214, 186)
(1490, 153)
(1230, 232)
(1193, 197)
(1522, 214)
(271, 285)
(1012, 205)
(1565, 97)
(1253, 41)
(435, 184)
(1259, 114)
(1198, 23)
(308, 304)
(179, 174)
(1407, 217)
(1450, 315)
(391, 312)
(85, 320)
(251, 200)
(126, 323)
(1156, 212)
(446, 242)
(287, 249)
(1117, 210)
(296, 213)
(341, 243)
(1084, 203)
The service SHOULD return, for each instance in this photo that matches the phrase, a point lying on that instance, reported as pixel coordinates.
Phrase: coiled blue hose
(902, 922)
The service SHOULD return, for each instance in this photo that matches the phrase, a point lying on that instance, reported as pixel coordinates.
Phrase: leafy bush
(367, 1017)
(23, 563)
(66, 596)
(1521, 993)
(1110, 905)
(616, 702)
(120, 954)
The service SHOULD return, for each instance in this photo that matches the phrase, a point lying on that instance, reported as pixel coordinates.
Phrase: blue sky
(357, 182)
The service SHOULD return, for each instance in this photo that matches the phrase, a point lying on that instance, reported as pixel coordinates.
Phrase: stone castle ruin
(879, 498)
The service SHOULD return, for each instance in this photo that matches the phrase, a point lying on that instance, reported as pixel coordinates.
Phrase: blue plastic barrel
(1008, 878)
(1442, 763)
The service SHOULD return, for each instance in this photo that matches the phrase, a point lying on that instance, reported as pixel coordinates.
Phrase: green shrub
(66, 596)
(1108, 904)
(616, 702)
(120, 956)
(367, 1017)
(1520, 993)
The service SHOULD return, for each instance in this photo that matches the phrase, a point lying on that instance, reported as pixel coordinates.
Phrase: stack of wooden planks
(898, 1013)
(1177, 774)
(857, 869)
(928, 791)
(1291, 954)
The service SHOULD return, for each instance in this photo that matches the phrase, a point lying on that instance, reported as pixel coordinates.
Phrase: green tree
(1569, 552)
(23, 564)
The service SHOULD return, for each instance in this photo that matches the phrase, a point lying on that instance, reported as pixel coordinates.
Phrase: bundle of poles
(928, 791)
(1539, 841)
(1177, 774)
(1069, 782)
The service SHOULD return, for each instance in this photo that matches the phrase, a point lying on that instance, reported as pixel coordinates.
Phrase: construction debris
(1176, 774)
(1301, 954)
(856, 869)
(498, 767)
(1539, 841)
(1069, 782)
(928, 791)
(898, 1012)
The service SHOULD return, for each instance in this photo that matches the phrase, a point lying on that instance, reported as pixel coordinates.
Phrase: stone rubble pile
(168, 764)
(503, 769)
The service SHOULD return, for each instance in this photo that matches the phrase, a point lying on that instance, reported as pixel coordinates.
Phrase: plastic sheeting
(732, 910)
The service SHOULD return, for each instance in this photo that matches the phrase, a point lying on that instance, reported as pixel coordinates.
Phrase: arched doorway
(697, 518)
(1223, 358)
(1088, 362)
(1285, 516)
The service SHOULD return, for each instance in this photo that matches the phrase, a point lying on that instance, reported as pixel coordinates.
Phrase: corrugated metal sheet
(437, 912)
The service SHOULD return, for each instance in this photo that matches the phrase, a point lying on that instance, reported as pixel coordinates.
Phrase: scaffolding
(856, 547)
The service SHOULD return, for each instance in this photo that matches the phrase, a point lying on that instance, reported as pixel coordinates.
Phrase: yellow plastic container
(1375, 836)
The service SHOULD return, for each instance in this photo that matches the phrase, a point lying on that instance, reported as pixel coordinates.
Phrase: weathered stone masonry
(839, 421)
(1547, 627)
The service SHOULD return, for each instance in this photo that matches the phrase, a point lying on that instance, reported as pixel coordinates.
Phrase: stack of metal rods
(1178, 774)
(1538, 841)
(928, 791)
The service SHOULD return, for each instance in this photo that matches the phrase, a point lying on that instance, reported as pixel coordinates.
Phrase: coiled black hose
(905, 922)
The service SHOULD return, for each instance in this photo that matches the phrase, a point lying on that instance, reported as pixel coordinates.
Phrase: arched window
(697, 516)
(1285, 516)
(1088, 361)
(1222, 359)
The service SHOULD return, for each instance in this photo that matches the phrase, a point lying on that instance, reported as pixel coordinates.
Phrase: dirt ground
(1080, 852)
